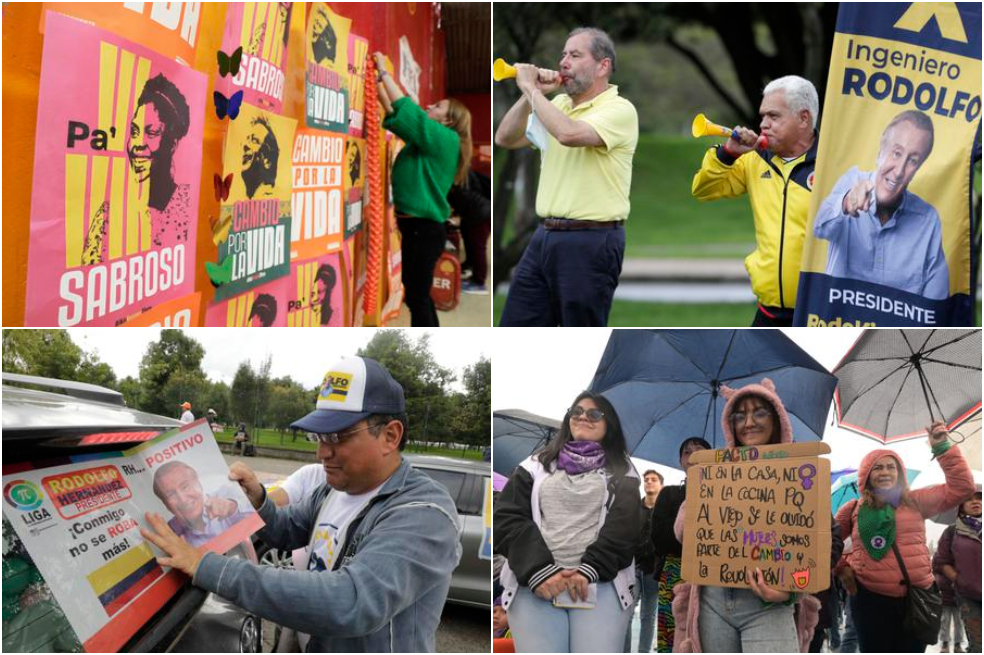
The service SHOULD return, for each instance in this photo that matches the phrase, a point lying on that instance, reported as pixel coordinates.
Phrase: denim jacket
(386, 590)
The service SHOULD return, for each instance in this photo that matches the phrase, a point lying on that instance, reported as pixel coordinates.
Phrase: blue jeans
(565, 278)
(738, 621)
(849, 642)
(648, 588)
(539, 627)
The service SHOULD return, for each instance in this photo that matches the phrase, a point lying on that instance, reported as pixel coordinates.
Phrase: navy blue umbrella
(515, 435)
(664, 384)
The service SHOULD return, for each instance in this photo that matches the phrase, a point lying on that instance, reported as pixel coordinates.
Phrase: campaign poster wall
(358, 50)
(326, 83)
(317, 204)
(315, 296)
(888, 236)
(180, 312)
(81, 522)
(257, 248)
(354, 183)
(117, 164)
(261, 30)
(171, 28)
(262, 306)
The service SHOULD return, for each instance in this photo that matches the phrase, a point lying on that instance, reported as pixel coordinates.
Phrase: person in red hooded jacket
(889, 513)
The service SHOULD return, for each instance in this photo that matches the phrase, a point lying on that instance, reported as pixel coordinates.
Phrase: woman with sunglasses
(567, 523)
(759, 619)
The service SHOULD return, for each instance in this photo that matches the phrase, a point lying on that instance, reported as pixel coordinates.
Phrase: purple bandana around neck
(580, 457)
(972, 522)
(891, 496)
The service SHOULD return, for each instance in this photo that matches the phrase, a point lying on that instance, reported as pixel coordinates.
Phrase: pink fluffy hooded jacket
(686, 600)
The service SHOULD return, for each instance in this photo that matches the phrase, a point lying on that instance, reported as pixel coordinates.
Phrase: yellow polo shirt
(591, 184)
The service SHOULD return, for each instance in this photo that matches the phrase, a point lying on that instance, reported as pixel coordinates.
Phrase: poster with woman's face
(263, 306)
(116, 178)
(261, 29)
(315, 293)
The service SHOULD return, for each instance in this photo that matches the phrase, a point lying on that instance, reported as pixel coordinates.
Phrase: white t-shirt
(330, 530)
(302, 482)
(187, 417)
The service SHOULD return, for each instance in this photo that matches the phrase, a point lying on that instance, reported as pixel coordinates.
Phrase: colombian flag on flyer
(888, 238)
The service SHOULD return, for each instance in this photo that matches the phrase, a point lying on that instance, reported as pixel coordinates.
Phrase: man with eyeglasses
(381, 536)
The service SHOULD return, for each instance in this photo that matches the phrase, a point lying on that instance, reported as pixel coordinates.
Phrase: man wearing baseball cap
(186, 416)
(382, 537)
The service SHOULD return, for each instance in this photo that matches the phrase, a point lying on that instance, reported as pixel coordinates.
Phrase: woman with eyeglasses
(759, 619)
(567, 523)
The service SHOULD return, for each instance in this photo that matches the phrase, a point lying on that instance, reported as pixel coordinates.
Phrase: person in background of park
(958, 558)
(645, 559)
(240, 440)
(779, 182)
(472, 202)
(758, 619)
(587, 137)
(186, 415)
(567, 522)
(383, 537)
(198, 517)
(437, 154)
(212, 418)
(669, 551)
(879, 231)
(888, 516)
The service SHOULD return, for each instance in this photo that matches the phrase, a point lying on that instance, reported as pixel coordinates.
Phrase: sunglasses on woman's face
(593, 415)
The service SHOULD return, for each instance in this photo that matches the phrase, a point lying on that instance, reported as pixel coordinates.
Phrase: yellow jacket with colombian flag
(779, 192)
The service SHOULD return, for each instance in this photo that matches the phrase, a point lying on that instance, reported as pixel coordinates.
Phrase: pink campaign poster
(315, 293)
(116, 178)
(262, 306)
(261, 30)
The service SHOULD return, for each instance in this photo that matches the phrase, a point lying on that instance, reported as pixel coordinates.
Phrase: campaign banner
(80, 522)
(261, 30)
(263, 306)
(358, 51)
(326, 79)
(257, 246)
(888, 239)
(170, 28)
(759, 507)
(180, 312)
(117, 164)
(317, 206)
(354, 263)
(316, 298)
(354, 183)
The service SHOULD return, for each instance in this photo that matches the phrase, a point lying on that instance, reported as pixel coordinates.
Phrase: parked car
(465, 480)
(81, 419)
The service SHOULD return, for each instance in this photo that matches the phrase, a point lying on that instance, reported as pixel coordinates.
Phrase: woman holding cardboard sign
(568, 522)
(888, 529)
(760, 619)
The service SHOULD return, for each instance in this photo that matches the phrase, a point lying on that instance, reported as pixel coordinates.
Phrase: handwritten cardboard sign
(765, 507)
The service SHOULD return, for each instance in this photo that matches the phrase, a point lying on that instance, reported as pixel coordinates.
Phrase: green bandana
(876, 528)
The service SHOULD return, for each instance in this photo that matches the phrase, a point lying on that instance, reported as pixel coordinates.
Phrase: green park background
(673, 60)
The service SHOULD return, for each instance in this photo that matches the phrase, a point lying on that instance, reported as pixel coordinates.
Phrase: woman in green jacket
(437, 154)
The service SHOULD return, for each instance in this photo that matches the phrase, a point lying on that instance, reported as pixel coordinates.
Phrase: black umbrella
(895, 383)
(515, 435)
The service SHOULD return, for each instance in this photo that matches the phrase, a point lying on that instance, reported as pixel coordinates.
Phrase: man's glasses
(593, 415)
(759, 416)
(335, 438)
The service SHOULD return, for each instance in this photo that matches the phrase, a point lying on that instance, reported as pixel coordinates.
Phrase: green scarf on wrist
(876, 528)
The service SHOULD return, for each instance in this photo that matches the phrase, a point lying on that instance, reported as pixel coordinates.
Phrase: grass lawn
(272, 439)
(645, 314)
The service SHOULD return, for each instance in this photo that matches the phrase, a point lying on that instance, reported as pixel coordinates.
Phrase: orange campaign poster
(317, 206)
(170, 28)
(180, 312)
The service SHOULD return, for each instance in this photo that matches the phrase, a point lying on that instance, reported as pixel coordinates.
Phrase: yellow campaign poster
(327, 77)
(889, 233)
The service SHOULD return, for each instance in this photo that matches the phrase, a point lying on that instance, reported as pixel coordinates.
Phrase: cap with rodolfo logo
(353, 389)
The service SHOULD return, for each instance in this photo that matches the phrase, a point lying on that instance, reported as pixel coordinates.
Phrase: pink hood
(869, 460)
(765, 390)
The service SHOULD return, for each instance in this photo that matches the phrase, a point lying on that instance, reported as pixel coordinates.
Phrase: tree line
(170, 373)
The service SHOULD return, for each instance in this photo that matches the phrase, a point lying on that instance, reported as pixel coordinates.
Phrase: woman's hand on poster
(181, 555)
(380, 60)
(937, 433)
(248, 482)
(848, 580)
(220, 508)
(577, 584)
(552, 586)
(764, 591)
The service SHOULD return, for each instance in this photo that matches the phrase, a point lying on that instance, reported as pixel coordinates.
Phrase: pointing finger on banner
(858, 199)
(182, 556)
